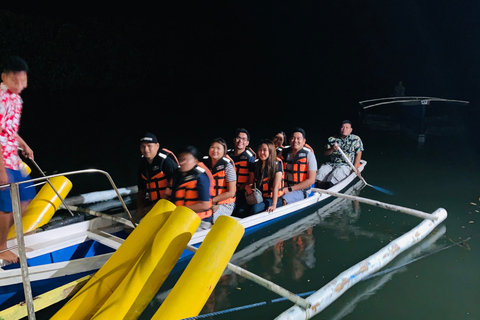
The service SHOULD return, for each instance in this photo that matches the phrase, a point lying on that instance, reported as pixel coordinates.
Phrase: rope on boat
(249, 306)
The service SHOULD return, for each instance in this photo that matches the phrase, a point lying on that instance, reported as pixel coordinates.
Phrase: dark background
(190, 71)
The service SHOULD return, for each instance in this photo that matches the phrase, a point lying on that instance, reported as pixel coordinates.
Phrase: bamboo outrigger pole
(392, 207)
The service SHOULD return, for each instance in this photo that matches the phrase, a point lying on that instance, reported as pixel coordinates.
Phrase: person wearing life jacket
(268, 178)
(278, 140)
(192, 187)
(155, 173)
(337, 168)
(225, 179)
(300, 166)
(244, 159)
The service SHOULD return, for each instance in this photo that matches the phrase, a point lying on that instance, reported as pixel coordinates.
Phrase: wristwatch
(289, 189)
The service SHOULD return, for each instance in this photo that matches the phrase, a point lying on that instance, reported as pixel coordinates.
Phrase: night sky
(279, 53)
(260, 64)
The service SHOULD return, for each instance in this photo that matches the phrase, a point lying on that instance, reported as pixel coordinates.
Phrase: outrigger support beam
(265, 283)
(392, 207)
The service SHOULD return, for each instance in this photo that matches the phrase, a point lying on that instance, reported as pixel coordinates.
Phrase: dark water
(441, 173)
(442, 284)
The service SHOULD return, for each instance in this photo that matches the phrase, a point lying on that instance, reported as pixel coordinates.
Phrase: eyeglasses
(241, 138)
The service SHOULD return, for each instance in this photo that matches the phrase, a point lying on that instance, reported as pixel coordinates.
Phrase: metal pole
(51, 185)
(17, 218)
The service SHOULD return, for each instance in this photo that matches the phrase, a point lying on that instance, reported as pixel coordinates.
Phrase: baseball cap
(149, 138)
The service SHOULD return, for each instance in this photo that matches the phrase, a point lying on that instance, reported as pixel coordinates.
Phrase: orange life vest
(265, 186)
(170, 154)
(219, 177)
(185, 190)
(241, 165)
(157, 182)
(307, 146)
(295, 169)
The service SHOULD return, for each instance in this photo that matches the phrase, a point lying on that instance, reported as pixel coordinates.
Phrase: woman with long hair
(223, 172)
(268, 178)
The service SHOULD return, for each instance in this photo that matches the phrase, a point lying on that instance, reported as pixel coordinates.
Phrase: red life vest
(185, 190)
(219, 177)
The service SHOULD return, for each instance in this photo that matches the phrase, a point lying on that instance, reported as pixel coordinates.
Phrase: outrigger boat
(61, 255)
(417, 115)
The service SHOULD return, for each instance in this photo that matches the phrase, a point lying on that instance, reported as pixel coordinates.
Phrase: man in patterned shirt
(14, 80)
(337, 168)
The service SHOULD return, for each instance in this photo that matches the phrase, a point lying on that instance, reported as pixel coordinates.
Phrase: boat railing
(17, 217)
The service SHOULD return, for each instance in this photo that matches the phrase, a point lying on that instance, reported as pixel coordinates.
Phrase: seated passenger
(223, 172)
(244, 159)
(278, 140)
(155, 172)
(268, 178)
(337, 169)
(191, 187)
(300, 167)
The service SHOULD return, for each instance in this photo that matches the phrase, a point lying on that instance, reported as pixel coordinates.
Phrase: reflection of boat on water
(340, 217)
(418, 116)
(296, 228)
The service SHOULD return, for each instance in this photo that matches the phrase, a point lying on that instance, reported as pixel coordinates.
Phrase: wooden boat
(416, 116)
(61, 255)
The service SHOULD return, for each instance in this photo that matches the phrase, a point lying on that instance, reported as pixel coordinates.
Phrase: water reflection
(290, 251)
(375, 283)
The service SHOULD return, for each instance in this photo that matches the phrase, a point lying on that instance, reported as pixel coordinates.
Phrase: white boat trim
(55, 270)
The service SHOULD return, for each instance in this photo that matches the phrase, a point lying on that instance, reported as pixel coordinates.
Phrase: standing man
(300, 167)
(244, 159)
(14, 80)
(337, 168)
(155, 173)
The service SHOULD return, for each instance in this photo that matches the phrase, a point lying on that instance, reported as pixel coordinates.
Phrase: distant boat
(415, 115)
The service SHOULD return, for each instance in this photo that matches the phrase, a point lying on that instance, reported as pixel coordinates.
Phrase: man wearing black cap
(337, 168)
(155, 173)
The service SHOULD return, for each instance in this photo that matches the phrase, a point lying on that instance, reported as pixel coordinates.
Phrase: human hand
(272, 208)
(27, 152)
